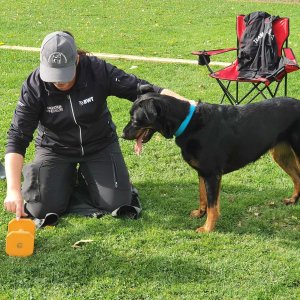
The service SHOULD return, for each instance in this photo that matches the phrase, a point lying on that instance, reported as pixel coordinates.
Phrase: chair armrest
(204, 56)
(213, 52)
(290, 63)
(288, 53)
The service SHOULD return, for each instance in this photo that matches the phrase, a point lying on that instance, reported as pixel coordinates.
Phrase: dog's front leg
(199, 213)
(212, 186)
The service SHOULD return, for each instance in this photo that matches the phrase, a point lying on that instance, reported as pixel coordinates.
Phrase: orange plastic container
(20, 237)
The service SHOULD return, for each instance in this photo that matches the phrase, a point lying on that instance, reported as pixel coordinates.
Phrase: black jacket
(258, 52)
(76, 122)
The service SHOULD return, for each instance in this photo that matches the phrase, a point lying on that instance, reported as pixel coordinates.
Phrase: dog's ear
(150, 111)
(144, 88)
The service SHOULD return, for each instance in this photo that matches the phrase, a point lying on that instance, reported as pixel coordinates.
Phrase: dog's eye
(135, 123)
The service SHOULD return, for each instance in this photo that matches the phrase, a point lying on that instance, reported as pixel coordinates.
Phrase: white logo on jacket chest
(86, 101)
(54, 109)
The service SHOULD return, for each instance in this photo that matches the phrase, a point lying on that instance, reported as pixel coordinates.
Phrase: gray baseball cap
(58, 57)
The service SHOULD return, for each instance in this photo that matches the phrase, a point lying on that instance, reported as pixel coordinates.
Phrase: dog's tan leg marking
(213, 214)
(199, 213)
(287, 159)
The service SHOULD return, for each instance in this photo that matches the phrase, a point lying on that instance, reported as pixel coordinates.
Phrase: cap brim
(57, 74)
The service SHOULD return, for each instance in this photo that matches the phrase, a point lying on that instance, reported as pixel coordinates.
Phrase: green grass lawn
(254, 252)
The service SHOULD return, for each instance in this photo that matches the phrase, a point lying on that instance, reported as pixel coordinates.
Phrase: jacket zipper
(80, 132)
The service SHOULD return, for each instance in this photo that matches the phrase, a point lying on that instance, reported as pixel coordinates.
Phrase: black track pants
(50, 179)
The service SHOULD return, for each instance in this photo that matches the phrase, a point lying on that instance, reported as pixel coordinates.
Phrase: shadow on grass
(244, 209)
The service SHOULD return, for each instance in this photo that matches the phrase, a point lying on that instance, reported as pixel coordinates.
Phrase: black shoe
(51, 219)
(135, 200)
(131, 211)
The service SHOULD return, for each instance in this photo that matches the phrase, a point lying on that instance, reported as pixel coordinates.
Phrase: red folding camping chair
(258, 85)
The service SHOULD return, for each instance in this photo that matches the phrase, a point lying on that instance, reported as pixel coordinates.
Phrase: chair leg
(224, 94)
(227, 94)
(270, 92)
(259, 93)
(255, 85)
(285, 85)
(277, 87)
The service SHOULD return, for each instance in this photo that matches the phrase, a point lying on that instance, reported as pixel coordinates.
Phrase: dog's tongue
(139, 145)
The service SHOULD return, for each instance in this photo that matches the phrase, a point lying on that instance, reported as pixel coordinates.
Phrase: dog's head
(147, 116)
(142, 122)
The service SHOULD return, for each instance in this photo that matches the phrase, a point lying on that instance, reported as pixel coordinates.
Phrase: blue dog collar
(186, 121)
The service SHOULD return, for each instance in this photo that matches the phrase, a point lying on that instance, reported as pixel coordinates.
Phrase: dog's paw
(202, 229)
(197, 213)
(290, 201)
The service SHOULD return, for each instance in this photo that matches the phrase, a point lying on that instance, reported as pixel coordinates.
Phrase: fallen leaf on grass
(253, 210)
(80, 243)
(272, 204)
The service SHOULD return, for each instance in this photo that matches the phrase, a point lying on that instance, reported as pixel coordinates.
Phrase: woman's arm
(175, 95)
(125, 85)
(14, 200)
(172, 94)
(20, 134)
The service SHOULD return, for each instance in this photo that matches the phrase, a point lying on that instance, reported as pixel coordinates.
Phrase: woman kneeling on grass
(66, 100)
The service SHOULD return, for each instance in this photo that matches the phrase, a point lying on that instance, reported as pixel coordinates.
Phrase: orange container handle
(24, 224)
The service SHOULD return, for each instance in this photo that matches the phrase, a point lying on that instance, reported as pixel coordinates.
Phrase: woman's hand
(14, 203)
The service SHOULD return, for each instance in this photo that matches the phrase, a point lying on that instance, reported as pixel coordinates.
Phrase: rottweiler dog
(218, 139)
